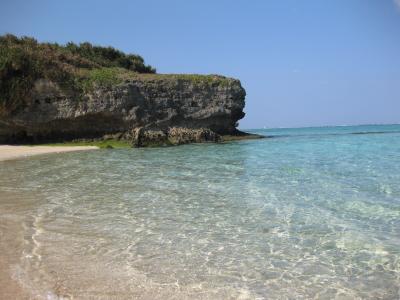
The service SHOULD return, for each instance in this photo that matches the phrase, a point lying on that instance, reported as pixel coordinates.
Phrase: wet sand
(14, 152)
(9, 287)
(11, 245)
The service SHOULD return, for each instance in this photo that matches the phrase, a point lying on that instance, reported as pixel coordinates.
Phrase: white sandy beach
(14, 152)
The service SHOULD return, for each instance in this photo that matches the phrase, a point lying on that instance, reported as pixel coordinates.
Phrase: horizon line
(320, 126)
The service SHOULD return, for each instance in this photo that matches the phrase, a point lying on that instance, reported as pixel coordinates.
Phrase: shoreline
(11, 152)
(8, 152)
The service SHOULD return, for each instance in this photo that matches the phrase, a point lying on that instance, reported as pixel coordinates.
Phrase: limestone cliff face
(150, 108)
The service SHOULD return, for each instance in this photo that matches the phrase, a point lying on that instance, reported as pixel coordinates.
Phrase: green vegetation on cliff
(77, 69)
(74, 67)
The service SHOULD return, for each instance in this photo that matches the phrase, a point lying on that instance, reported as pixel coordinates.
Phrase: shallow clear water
(308, 213)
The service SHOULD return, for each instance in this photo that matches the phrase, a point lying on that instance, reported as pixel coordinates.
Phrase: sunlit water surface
(307, 213)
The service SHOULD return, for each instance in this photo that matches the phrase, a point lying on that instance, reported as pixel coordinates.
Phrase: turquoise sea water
(307, 213)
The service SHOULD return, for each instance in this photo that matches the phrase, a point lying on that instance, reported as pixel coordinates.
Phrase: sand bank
(13, 152)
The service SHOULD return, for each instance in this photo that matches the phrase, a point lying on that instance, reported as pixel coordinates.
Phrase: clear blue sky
(309, 62)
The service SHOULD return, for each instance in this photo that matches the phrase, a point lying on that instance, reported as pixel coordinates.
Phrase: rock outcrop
(173, 136)
(148, 109)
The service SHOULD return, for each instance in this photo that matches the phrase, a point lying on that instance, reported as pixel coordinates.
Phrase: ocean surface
(307, 213)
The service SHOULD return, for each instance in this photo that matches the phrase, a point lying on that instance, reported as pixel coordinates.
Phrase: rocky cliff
(147, 109)
(51, 92)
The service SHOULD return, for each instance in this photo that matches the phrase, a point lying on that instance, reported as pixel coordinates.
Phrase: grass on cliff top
(103, 77)
(108, 77)
(106, 144)
(194, 78)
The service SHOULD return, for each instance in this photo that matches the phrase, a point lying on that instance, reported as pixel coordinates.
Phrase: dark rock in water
(142, 137)
(149, 109)
(178, 136)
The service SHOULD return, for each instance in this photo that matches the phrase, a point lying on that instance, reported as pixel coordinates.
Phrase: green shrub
(74, 67)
